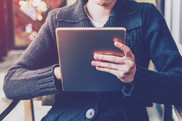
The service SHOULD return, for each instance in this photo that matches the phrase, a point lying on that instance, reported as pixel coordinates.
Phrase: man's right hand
(57, 73)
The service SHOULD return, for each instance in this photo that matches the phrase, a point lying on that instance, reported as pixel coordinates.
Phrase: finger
(114, 72)
(118, 40)
(105, 65)
(57, 73)
(130, 64)
(124, 67)
(126, 78)
(109, 58)
(124, 48)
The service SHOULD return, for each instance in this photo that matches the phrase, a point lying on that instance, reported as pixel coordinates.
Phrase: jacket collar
(124, 8)
(76, 13)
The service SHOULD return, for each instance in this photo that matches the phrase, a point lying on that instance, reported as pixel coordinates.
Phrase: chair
(6, 106)
(8, 109)
(178, 111)
(29, 111)
(29, 106)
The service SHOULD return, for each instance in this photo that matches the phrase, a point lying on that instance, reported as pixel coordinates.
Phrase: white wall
(173, 17)
(181, 22)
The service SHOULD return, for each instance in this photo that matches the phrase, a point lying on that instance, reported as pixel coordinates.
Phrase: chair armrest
(178, 111)
(6, 109)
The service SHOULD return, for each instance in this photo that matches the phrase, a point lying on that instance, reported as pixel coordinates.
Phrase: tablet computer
(76, 47)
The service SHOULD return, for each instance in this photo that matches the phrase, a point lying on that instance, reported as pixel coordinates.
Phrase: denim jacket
(147, 36)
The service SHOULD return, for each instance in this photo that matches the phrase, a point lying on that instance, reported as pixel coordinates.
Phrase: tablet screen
(76, 47)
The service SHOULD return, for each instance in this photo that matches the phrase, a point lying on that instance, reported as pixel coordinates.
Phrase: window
(29, 16)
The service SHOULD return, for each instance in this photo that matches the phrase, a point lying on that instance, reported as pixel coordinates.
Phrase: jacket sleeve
(164, 85)
(32, 75)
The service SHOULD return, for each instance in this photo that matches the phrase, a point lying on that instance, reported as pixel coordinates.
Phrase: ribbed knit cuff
(48, 84)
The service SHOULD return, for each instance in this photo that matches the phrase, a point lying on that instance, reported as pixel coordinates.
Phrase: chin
(104, 2)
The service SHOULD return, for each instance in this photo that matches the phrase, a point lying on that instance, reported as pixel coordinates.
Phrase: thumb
(124, 48)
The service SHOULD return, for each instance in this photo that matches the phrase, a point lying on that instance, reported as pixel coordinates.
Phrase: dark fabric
(147, 36)
(168, 113)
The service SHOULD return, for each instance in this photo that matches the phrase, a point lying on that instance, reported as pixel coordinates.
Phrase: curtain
(6, 26)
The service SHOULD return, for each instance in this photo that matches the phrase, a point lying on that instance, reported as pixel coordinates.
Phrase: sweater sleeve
(32, 75)
(164, 85)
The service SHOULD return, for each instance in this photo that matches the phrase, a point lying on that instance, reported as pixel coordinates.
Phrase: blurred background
(20, 21)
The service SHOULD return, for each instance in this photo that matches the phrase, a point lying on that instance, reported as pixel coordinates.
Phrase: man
(36, 73)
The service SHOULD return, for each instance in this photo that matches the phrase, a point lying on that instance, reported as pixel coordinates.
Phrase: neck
(99, 13)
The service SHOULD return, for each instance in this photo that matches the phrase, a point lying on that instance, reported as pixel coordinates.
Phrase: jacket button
(90, 113)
